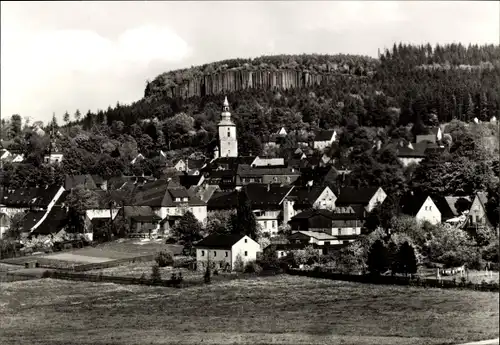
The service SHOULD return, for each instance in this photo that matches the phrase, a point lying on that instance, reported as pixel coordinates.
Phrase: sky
(58, 56)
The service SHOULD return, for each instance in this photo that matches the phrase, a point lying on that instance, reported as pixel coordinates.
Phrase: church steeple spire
(227, 133)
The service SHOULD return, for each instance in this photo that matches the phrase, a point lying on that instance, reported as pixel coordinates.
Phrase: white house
(267, 161)
(422, 207)
(324, 138)
(53, 158)
(221, 251)
(303, 198)
(368, 197)
(477, 213)
(137, 159)
(4, 154)
(313, 237)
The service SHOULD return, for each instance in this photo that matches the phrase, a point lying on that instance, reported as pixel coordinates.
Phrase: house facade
(303, 198)
(422, 207)
(323, 139)
(477, 214)
(223, 251)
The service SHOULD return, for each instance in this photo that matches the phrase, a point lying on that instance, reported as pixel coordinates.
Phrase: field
(476, 277)
(137, 269)
(105, 252)
(278, 310)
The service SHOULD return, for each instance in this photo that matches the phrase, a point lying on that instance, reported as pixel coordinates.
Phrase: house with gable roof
(170, 201)
(324, 138)
(366, 198)
(435, 135)
(477, 216)
(221, 251)
(302, 198)
(420, 206)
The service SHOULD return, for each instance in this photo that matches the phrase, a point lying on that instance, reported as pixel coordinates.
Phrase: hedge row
(390, 280)
(110, 279)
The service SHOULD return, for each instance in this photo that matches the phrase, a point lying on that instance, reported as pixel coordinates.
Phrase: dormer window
(185, 199)
(177, 199)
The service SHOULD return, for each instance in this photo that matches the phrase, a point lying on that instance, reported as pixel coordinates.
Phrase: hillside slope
(268, 72)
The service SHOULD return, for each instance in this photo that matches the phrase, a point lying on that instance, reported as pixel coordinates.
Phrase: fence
(396, 280)
(111, 279)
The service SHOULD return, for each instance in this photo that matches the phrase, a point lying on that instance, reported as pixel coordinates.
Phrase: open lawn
(278, 310)
(120, 249)
(137, 269)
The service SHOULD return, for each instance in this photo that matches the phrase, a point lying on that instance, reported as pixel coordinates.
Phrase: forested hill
(400, 94)
(268, 72)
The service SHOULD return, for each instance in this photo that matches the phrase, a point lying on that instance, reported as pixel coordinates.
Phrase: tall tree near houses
(244, 221)
(78, 201)
(377, 258)
(469, 113)
(483, 111)
(78, 115)
(15, 126)
(66, 117)
(407, 260)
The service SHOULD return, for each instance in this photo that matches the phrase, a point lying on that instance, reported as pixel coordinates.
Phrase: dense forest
(403, 93)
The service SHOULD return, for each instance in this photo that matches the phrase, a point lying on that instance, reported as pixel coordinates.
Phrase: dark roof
(224, 241)
(325, 213)
(73, 181)
(30, 219)
(56, 220)
(319, 175)
(447, 211)
(195, 163)
(323, 135)
(223, 200)
(305, 196)
(350, 195)
(189, 180)
(228, 163)
(410, 203)
(29, 197)
(266, 195)
(103, 197)
(417, 150)
(246, 171)
(137, 211)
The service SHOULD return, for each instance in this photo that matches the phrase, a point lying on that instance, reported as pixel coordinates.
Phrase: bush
(207, 277)
(252, 267)
(239, 265)
(46, 274)
(164, 259)
(155, 274)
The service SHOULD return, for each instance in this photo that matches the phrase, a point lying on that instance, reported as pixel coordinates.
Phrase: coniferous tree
(244, 221)
(407, 261)
(377, 261)
(66, 117)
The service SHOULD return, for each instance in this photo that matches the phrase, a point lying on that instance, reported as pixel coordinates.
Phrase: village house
(262, 161)
(170, 201)
(313, 237)
(323, 139)
(141, 221)
(477, 217)
(420, 206)
(137, 159)
(319, 176)
(246, 174)
(303, 198)
(190, 166)
(108, 204)
(344, 224)
(222, 251)
(25, 199)
(366, 198)
(266, 201)
(435, 135)
(412, 153)
(54, 157)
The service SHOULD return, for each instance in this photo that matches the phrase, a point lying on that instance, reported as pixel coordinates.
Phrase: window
(202, 253)
(430, 208)
(246, 253)
(220, 264)
(340, 231)
(265, 224)
(184, 199)
(226, 254)
(245, 241)
(229, 133)
(177, 199)
(215, 253)
(274, 223)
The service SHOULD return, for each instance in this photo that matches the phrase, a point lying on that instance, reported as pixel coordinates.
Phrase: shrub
(164, 259)
(155, 274)
(207, 277)
(46, 274)
(252, 267)
(239, 265)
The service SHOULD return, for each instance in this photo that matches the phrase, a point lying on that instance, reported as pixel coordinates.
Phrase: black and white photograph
(250, 172)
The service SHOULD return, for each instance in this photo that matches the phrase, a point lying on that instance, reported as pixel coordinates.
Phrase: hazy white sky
(58, 56)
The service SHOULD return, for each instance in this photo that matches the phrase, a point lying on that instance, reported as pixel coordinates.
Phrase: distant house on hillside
(137, 159)
(477, 216)
(282, 175)
(54, 157)
(435, 135)
(420, 206)
(222, 251)
(324, 138)
(367, 197)
(412, 153)
(304, 198)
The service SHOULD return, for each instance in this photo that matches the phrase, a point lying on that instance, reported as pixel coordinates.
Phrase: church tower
(228, 144)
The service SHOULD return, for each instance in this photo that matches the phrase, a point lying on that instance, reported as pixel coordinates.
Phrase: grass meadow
(267, 310)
